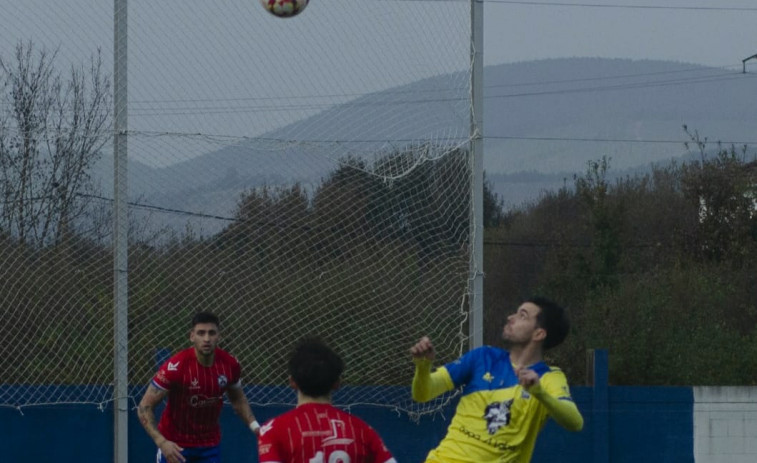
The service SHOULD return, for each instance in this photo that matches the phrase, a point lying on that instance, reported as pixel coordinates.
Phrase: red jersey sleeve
(268, 450)
(168, 373)
(378, 449)
(236, 373)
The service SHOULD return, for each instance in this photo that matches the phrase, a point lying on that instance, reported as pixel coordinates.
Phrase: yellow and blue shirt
(496, 419)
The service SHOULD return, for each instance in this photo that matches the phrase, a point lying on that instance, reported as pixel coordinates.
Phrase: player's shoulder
(554, 374)
(180, 358)
(225, 356)
(482, 354)
(279, 420)
(173, 368)
(488, 351)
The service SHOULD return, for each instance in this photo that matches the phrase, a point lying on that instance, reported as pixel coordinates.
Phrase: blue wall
(639, 423)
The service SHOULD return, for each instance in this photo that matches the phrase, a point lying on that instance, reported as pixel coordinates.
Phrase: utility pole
(743, 63)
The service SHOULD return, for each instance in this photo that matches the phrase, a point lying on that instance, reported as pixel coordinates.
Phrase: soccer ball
(284, 8)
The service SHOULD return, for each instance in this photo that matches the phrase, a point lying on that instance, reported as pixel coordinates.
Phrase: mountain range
(543, 122)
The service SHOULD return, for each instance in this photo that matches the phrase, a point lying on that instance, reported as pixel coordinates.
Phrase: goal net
(301, 176)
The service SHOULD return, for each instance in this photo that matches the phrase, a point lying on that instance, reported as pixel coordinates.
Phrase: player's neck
(523, 356)
(303, 399)
(205, 360)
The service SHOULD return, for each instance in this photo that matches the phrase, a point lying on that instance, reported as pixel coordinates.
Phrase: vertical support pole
(600, 410)
(120, 243)
(476, 319)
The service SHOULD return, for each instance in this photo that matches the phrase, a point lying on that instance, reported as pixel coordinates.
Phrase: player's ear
(336, 384)
(540, 334)
(292, 384)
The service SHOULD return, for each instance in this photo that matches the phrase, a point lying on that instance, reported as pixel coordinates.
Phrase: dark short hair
(553, 318)
(204, 317)
(315, 367)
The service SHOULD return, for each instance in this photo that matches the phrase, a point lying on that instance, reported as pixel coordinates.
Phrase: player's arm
(242, 408)
(562, 410)
(428, 384)
(379, 451)
(146, 412)
(268, 444)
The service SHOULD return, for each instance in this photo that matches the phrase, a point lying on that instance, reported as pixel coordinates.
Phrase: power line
(147, 105)
(629, 86)
(619, 76)
(149, 108)
(151, 207)
(611, 140)
(227, 109)
(623, 6)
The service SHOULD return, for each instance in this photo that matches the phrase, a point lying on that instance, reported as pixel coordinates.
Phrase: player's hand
(255, 427)
(423, 349)
(172, 452)
(527, 378)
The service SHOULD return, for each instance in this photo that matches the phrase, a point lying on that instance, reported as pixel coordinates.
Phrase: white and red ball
(284, 8)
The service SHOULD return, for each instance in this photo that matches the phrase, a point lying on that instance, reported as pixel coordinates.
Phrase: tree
(52, 131)
(494, 209)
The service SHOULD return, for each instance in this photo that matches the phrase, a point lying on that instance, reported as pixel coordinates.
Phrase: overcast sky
(205, 65)
(710, 32)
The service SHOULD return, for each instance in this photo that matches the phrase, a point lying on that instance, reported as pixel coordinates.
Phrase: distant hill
(547, 118)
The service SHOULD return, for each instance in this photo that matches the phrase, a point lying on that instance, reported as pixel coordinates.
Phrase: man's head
(205, 317)
(537, 320)
(553, 319)
(314, 368)
(205, 333)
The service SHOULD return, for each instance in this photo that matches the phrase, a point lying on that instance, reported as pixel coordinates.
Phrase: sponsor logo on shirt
(266, 427)
(173, 366)
(503, 446)
(195, 384)
(201, 401)
(264, 448)
(497, 414)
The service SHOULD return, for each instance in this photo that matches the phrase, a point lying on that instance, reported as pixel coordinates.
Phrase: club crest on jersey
(222, 380)
(497, 415)
(195, 384)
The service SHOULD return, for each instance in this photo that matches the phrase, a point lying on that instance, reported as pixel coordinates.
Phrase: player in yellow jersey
(507, 394)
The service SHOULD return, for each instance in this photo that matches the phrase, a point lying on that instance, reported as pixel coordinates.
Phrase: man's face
(522, 327)
(205, 337)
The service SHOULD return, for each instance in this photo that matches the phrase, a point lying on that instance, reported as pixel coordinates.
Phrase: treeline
(373, 257)
(657, 268)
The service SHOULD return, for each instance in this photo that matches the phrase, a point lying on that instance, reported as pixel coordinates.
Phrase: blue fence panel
(644, 424)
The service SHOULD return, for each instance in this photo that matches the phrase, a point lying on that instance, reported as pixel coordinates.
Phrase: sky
(718, 33)
(227, 68)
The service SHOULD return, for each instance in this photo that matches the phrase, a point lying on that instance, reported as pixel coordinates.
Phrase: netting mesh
(295, 176)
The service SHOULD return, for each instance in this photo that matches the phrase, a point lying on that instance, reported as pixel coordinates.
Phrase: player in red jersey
(194, 380)
(316, 431)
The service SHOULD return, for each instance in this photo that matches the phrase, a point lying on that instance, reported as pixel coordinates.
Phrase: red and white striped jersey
(195, 397)
(320, 433)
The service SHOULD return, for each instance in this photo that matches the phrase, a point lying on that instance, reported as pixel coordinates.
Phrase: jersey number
(337, 456)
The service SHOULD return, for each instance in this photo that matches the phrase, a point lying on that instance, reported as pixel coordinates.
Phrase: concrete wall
(725, 424)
